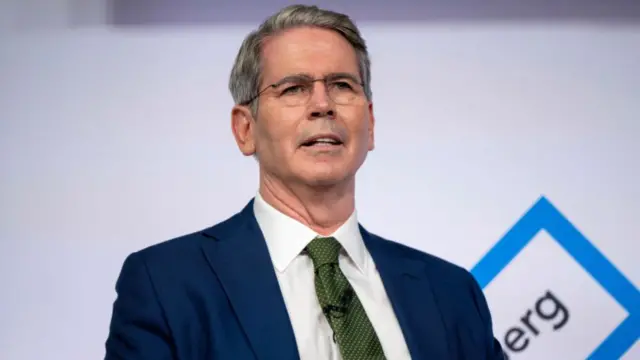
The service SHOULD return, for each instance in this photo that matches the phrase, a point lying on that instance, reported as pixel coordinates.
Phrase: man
(293, 275)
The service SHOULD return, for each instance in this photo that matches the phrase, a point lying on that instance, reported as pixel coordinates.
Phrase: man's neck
(322, 209)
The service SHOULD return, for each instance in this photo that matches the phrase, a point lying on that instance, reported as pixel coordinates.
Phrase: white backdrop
(111, 141)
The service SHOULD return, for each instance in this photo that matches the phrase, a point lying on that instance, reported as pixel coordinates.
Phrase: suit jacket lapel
(408, 288)
(240, 258)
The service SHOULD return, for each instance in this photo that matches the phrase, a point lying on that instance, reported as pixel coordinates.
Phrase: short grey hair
(246, 78)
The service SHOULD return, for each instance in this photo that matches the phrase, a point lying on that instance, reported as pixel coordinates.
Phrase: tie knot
(323, 250)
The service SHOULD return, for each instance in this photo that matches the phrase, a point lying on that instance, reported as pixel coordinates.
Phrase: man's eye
(342, 85)
(292, 89)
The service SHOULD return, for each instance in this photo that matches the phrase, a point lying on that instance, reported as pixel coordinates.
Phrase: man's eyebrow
(293, 78)
(308, 77)
(343, 75)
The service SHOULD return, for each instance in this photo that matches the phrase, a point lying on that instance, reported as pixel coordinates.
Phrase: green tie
(351, 327)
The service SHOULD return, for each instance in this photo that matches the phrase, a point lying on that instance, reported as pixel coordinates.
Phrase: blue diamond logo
(544, 216)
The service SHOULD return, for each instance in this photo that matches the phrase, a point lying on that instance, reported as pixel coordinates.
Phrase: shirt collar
(287, 237)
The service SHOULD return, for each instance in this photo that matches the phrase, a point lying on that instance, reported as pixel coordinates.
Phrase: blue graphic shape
(544, 216)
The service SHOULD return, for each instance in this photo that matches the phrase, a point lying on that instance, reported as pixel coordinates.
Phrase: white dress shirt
(286, 238)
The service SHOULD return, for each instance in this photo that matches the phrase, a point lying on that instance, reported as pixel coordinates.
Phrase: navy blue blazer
(214, 295)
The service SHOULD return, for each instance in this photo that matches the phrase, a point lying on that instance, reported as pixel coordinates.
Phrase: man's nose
(321, 104)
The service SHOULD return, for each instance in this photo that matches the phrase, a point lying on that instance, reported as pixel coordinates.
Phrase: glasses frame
(297, 77)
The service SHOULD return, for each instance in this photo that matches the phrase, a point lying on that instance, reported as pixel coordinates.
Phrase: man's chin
(324, 179)
(323, 183)
(319, 170)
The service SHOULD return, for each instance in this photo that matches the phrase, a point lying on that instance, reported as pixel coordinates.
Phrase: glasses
(296, 90)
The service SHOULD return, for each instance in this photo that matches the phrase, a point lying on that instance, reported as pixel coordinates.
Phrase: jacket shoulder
(459, 295)
(433, 264)
(190, 242)
(453, 286)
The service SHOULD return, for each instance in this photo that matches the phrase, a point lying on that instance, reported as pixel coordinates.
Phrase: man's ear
(372, 123)
(242, 126)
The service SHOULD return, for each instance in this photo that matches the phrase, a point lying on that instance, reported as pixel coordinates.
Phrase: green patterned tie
(351, 327)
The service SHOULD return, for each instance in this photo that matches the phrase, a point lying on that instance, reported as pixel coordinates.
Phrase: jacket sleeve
(493, 348)
(138, 329)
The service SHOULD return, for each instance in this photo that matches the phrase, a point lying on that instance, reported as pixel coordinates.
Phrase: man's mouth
(323, 141)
